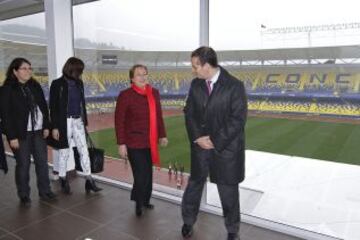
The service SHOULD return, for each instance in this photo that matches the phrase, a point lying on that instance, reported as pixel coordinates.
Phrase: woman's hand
(55, 134)
(163, 142)
(45, 133)
(14, 144)
(123, 151)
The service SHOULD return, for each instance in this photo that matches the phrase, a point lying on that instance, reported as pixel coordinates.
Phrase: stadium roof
(294, 53)
(338, 55)
(348, 54)
(18, 8)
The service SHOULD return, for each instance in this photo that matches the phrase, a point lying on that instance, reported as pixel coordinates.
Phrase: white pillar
(60, 37)
(204, 41)
(204, 23)
(60, 46)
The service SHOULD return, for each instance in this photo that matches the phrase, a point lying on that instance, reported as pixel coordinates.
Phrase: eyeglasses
(25, 69)
(141, 75)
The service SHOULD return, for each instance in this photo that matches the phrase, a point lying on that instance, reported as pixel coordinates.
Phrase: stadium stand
(325, 89)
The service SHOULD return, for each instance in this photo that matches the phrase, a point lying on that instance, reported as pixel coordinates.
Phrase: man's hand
(14, 144)
(205, 142)
(55, 134)
(123, 151)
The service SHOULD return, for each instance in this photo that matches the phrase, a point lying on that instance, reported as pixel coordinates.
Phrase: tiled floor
(107, 215)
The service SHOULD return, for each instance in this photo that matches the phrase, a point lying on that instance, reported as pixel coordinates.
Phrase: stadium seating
(285, 90)
(282, 90)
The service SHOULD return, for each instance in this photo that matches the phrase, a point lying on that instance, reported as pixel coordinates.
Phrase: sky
(234, 24)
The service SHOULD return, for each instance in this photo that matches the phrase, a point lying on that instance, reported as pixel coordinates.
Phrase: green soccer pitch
(338, 142)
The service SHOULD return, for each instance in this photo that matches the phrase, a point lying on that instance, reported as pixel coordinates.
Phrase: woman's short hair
(133, 68)
(73, 68)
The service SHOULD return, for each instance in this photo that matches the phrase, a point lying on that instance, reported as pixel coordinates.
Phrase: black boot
(91, 186)
(65, 186)
(233, 236)
(25, 201)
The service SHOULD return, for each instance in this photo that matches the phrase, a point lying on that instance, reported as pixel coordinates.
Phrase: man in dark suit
(215, 115)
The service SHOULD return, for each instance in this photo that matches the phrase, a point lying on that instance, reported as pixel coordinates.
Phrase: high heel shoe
(65, 186)
(91, 186)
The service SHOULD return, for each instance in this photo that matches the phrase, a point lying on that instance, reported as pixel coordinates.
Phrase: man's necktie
(208, 84)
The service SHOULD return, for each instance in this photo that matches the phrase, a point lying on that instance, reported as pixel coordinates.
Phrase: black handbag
(96, 156)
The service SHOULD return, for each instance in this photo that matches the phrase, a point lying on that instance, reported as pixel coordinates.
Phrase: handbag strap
(89, 140)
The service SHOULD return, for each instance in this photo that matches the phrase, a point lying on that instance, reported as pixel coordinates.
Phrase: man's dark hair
(206, 55)
(73, 68)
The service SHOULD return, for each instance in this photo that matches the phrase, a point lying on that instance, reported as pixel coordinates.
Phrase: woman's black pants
(34, 145)
(141, 165)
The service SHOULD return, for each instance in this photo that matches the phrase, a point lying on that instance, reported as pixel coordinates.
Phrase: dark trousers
(34, 145)
(3, 163)
(141, 165)
(229, 197)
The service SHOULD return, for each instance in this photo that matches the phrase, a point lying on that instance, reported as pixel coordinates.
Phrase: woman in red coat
(139, 127)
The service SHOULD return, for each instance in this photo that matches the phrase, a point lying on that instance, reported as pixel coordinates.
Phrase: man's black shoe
(48, 196)
(149, 206)
(186, 231)
(233, 236)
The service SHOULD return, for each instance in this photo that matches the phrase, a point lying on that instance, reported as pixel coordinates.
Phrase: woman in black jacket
(25, 119)
(69, 118)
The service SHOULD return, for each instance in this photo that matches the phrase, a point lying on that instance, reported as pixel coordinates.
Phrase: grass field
(338, 142)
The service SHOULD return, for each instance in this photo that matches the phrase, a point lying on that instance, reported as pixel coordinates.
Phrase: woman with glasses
(68, 119)
(139, 128)
(25, 119)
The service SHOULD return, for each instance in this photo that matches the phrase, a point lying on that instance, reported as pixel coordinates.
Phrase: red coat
(132, 119)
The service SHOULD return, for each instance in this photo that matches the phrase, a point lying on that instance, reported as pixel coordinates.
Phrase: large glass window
(299, 62)
(259, 24)
(25, 37)
(113, 35)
